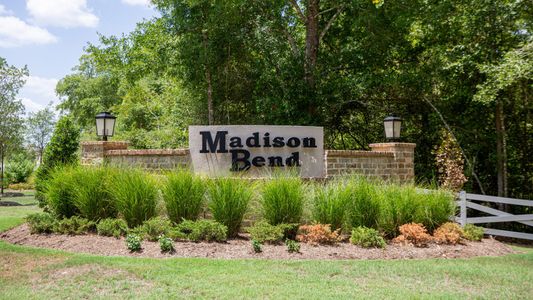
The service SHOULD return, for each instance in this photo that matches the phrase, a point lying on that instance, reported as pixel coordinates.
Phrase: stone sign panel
(257, 150)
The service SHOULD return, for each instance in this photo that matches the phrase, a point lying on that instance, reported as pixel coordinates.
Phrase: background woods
(461, 65)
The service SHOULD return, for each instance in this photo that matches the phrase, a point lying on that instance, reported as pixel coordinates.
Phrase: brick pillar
(403, 167)
(94, 153)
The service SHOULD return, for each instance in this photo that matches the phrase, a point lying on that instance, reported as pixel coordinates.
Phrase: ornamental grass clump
(283, 200)
(363, 205)
(135, 195)
(330, 204)
(60, 192)
(367, 238)
(228, 201)
(91, 194)
(183, 193)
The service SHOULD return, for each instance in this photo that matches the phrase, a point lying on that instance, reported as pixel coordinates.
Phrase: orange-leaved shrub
(318, 234)
(448, 233)
(413, 233)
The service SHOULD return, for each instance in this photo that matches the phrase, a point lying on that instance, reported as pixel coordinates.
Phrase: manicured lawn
(36, 273)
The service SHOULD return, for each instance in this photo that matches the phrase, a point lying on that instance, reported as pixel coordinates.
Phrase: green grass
(30, 273)
(11, 216)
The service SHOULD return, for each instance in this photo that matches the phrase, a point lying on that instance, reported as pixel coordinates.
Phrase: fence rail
(465, 202)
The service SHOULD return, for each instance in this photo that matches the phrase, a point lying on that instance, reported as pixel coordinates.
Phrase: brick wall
(390, 161)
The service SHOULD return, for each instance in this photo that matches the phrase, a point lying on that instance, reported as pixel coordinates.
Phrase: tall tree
(11, 109)
(40, 126)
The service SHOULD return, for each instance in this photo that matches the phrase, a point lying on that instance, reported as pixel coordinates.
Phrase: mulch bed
(241, 248)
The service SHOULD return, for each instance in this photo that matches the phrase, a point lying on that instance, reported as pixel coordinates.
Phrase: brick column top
(392, 147)
(105, 145)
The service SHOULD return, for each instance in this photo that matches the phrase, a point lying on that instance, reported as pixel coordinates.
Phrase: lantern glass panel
(397, 128)
(389, 130)
(109, 127)
(100, 127)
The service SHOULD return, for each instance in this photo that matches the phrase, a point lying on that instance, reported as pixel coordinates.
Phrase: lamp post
(105, 125)
(393, 126)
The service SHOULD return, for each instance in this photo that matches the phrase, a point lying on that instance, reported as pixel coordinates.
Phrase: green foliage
(363, 204)
(203, 230)
(62, 150)
(41, 222)
(330, 204)
(155, 227)
(282, 200)
(135, 195)
(183, 193)
(19, 168)
(60, 191)
(134, 242)
(91, 193)
(112, 227)
(292, 246)
(473, 233)
(228, 201)
(257, 246)
(166, 244)
(74, 226)
(263, 232)
(367, 238)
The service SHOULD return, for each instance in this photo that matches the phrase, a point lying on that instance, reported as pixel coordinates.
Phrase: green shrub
(91, 195)
(367, 238)
(60, 191)
(228, 201)
(183, 194)
(257, 246)
(292, 246)
(283, 200)
(473, 233)
(289, 230)
(41, 223)
(19, 168)
(363, 205)
(263, 232)
(134, 242)
(135, 196)
(166, 244)
(61, 150)
(112, 227)
(203, 230)
(330, 204)
(74, 226)
(155, 227)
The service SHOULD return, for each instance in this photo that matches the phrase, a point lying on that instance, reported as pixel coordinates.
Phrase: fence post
(462, 205)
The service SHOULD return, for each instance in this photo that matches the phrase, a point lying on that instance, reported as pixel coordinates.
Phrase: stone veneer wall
(389, 161)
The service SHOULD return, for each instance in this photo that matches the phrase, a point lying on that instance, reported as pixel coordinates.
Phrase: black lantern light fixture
(393, 126)
(105, 125)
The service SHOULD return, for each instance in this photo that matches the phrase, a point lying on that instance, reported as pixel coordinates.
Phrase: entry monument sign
(257, 150)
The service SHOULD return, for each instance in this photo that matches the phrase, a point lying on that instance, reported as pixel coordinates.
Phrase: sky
(49, 36)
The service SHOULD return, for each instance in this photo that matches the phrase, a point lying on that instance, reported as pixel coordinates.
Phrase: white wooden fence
(465, 201)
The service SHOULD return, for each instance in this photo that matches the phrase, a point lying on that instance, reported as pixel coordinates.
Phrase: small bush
(318, 234)
(228, 201)
(112, 227)
(283, 200)
(413, 233)
(91, 195)
(473, 233)
(367, 238)
(330, 204)
(155, 227)
(448, 233)
(257, 246)
(41, 223)
(19, 168)
(135, 196)
(292, 246)
(203, 230)
(74, 226)
(166, 244)
(59, 192)
(183, 194)
(289, 230)
(134, 242)
(263, 232)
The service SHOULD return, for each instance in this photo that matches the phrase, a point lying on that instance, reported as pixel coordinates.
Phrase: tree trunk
(501, 151)
(2, 173)
(311, 41)
(210, 110)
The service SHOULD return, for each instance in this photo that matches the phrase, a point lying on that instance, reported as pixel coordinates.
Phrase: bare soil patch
(241, 248)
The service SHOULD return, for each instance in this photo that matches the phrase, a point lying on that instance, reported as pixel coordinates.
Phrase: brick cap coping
(149, 152)
(358, 153)
(94, 143)
(392, 145)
